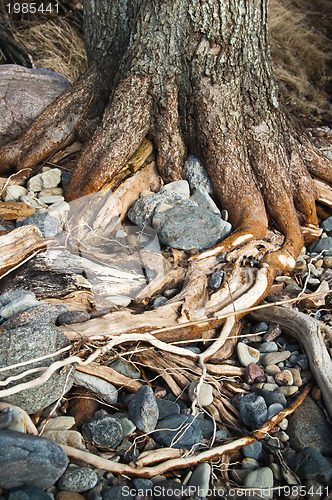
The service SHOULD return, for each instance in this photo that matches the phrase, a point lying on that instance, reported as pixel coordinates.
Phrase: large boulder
(24, 94)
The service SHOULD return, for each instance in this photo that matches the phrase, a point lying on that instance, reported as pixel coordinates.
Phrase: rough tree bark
(195, 76)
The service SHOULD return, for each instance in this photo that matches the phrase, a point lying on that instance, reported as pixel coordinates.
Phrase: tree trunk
(195, 77)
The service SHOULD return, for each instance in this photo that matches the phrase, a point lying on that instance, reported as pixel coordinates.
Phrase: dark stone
(178, 431)
(260, 327)
(28, 493)
(143, 409)
(253, 450)
(142, 485)
(216, 280)
(309, 427)
(195, 173)
(188, 227)
(169, 489)
(159, 301)
(125, 368)
(72, 317)
(322, 245)
(167, 408)
(78, 479)
(253, 410)
(30, 342)
(117, 493)
(310, 464)
(326, 225)
(25, 93)
(207, 427)
(26, 459)
(6, 418)
(254, 373)
(48, 226)
(43, 313)
(103, 430)
(272, 397)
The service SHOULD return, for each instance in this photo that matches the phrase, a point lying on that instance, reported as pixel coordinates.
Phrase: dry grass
(300, 46)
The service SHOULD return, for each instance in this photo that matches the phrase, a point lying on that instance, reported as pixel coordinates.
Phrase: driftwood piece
(323, 192)
(308, 332)
(19, 244)
(11, 210)
(107, 373)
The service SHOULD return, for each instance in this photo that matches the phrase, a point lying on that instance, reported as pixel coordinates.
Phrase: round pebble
(272, 370)
(249, 463)
(103, 430)
(254, 373)
(270, 387)
(260, 479)
(78, 479)
(284, 377)
(247, 354)
(274, 409)
(283, 424)
(288, 390)
(268, 347)
(282, 436)
(253, 450)
(297, 379)
(205, 396)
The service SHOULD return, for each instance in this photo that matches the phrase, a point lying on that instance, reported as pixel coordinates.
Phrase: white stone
(270, 387)
(32, 201)
(13, 193)
(204, 200)
(67, 438)
(18, 422)
(60, 211)
(274, 409)
(247, 354)
(180, 187)
(205, 396)
(120, 300)
(283, 424)
(49, 200)
(120, 233)
(162, 207)
(49, 179)
(62, 423)
(105, 390)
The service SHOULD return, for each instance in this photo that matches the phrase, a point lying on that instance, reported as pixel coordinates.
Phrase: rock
(39, 314)
(18, 305)
(204, 200)
(309, 427)
(82, 405)
(18, 420)
(69, 495)
(272, 397)
(25, 93)
(59, 211)
(272, 358)
(162, 207)
(205, 396)
(326, 225)
(216, 280)
(269, 386)
(200, 480)
(323, 245)
(272, 333)
(188, 227)
(143, 409)
(268, 347)
(47, 225)
(221, 434)
(327, 262)
(33, 202)
(7, 297)
(26, 343)
(6, 418)
(167, 408)
(316, 394)
(117, 493)
(253, 411)
(309, 463)
(260, 327)
(142, 211)
(29, 459)
(253, 450)
(49, 179)
(180, 187)
(284, 377)
(159, 301)
(12, 210)
(274, 409)
(288, 390)
(104, 389)
(254, 373)
(103, 430)
(250, 463)
(206, 426)
(178, 431)
(125, 368)
(262, 480)
(49, 200)
(68, 438)
(282, 436)
(246, 354)
(72, 317)
(194, 172)
(78, 479)
(283, 424)
(142, 485)
(28, 492)
(56, 191)
(272, 370)
(119, 300)
(128, 427)
(13, 193)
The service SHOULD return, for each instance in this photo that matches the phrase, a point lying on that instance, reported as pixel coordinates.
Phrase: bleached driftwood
(323, 192)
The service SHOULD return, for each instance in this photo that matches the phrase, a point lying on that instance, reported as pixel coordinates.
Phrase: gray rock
(18, 305)
(159, 301)
(30, 342)
(200, 480)
(49, 179)
(26, 459)
(274, 409)
(6, 418)
(142, 211)
(272, 358)
(253, 450)
(24, 94)
(103, 430)
(47, 225)
(204, 200)
(262, 480)
(128, 427)
(310, 464)
(272, 397)
(178, 431)
(41, 314)
(34, 202)
(167, 408)
(143, 409)
(194, 172)
(72, 317)
(180, 187)
(326, 225)
(7, 297)
(253, 410)
(308, 427)
(268, 347)
(28, 492)
(216, 280)
(221, 434)
(188, 227)
(125, 368)
(142, 485)
(260, 327)
(117, 493)
(207, 427)
(105, 389)
(322, 245)
(78, 479)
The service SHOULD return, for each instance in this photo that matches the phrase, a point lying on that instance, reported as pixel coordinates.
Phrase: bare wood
(227, 370)
(185, 461)
(11, 210)
(80, 300)
(155, 456)
(19, 244)
(107, 373)
(308, 332)
(323, 192)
